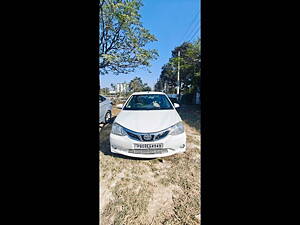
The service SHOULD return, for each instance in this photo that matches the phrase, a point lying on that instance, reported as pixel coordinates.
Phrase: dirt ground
(152, 191)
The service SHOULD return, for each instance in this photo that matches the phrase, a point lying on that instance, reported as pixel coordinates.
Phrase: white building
(122, 87)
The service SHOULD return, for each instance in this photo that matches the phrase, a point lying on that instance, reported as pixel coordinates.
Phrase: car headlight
(178, 128)
(118, 130)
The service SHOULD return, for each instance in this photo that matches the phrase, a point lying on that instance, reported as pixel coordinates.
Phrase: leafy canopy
(190, 57)
(137, 85)
(123, 37)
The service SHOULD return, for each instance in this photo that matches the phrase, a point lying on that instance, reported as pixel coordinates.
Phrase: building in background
(122, 88)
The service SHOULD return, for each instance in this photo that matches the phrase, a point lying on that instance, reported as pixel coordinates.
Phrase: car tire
(107, 117)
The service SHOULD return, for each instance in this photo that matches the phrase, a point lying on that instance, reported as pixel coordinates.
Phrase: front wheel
(107, 117)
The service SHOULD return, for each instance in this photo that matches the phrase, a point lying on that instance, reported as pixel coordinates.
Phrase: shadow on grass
(191, 115)
(105, 144)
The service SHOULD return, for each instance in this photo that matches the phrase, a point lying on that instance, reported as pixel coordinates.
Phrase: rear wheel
(107, 117)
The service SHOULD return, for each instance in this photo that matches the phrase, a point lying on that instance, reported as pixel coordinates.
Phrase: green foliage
(104, 91)
(190, 57)
(113, 86)
(137, 85)
(123, 37)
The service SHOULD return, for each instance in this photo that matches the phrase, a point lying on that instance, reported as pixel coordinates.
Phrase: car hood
(146, 121)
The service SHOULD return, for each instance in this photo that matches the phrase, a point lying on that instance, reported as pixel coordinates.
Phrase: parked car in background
(173, 98)
(105, 106)
(148, 126)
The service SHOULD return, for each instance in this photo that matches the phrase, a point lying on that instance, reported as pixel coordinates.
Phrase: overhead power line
(197, 32)
(190, 35)
(189, 27)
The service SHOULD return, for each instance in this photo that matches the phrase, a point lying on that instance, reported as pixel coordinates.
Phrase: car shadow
(104, 143)
(191, 115)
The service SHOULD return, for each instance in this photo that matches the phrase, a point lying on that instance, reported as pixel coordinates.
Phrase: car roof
(148, 92)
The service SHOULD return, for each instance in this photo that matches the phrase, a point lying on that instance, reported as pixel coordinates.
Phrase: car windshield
(148, 102)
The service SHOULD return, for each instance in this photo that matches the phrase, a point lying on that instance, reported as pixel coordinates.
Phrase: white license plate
(147, 151)
(148, 146)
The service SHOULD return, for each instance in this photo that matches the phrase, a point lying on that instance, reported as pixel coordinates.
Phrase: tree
(146, 87)
(159, 86)
(123, 37)
(104, 91)
(190, 57)
(137, 85)
(113, 87)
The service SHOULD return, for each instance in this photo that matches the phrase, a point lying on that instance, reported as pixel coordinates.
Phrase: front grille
(161, 135)
(133, 136)
(147, 136)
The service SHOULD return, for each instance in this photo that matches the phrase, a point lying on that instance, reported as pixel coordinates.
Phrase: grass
(152, 191)
(191, 115)
(130, 204)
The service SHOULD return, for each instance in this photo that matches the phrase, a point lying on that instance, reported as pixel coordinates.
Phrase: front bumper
(171, 145)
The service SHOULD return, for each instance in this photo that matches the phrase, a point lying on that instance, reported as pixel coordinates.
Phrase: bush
(187, 99)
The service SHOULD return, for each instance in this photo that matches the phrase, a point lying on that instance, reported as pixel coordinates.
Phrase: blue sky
(172, 22)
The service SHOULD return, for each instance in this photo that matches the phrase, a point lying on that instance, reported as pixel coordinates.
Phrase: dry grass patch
(152, 191)
(131, 198)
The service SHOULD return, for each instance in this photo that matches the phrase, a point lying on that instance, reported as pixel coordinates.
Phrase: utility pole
(178, 73)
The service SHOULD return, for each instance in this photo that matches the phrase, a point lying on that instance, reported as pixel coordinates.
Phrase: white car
(148, 126)
(105, 109)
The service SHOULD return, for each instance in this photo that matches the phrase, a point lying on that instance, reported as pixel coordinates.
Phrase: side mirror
(176, 105)
(119, 106)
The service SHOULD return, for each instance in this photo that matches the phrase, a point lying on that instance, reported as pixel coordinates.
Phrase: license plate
(148, 146)
(147, 151)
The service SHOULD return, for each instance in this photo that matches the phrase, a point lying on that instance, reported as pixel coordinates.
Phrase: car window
(148, 102)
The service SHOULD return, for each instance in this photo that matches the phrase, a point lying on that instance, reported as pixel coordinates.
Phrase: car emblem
(147, 137)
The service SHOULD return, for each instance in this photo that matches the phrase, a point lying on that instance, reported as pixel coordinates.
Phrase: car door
(102, 109)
